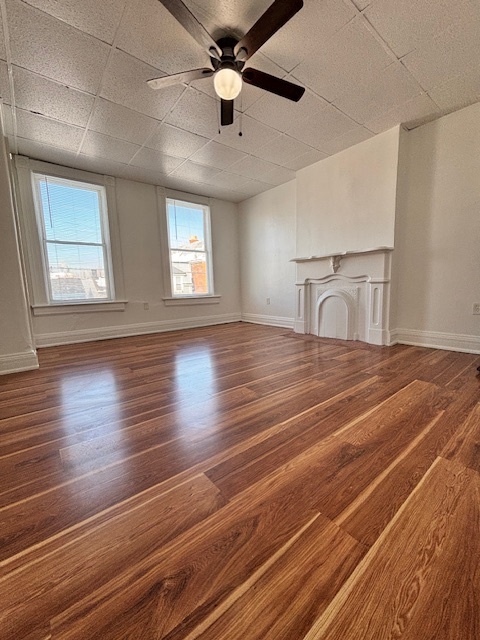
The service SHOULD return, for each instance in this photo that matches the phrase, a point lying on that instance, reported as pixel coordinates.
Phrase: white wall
(347, 201)
(437, 254)
(267, 240)
(138, 211)
(17, 352)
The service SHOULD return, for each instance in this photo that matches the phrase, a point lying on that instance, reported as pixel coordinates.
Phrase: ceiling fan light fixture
(227, 82)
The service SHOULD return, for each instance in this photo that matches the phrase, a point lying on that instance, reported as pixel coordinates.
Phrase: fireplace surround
(345, 295)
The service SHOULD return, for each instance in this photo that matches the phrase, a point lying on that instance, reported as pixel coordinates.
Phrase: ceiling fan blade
(273, 84)
(176, 78)
(226, 112)
(189, 22)
(278, 14)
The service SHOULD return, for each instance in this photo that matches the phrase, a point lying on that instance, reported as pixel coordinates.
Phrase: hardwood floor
(240, 482)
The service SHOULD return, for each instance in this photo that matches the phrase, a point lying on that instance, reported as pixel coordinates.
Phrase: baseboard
(125, 331)
(16, 362)
(273, 321)
(436, 340)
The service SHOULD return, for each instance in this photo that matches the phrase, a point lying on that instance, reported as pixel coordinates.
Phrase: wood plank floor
(240, 482)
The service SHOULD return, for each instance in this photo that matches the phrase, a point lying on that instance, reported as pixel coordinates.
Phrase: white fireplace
(345, 295)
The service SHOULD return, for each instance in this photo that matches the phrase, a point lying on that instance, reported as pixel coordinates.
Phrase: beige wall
(17, 352)
(139, 208)
(418, 190)
(267, 240)
(437, 255)
(347, 201)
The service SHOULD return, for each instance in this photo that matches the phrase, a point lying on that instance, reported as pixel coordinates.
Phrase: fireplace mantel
(336, 258)
(362, 290)
(341, 254)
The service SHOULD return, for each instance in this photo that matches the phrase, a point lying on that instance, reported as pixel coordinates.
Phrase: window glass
(74, 233)
(189, 248)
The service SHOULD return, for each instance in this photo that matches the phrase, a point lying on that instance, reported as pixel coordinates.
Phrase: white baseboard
(15, 362)
(436, 340)
(125, 331)
(273, 321)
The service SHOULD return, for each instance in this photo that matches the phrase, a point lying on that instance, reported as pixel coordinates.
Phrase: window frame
(31, 241)
(36, 177)
(205, 208)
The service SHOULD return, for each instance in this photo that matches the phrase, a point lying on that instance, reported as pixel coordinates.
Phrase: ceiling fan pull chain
(241, 116)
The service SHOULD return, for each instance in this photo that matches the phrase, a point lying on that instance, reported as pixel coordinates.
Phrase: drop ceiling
(73, 81)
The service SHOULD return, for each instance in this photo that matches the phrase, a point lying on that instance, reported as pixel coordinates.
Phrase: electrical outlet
(268, 300)
(476, 309)
(146, 306)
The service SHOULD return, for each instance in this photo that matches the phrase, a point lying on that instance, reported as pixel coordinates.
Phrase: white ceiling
(73, 76)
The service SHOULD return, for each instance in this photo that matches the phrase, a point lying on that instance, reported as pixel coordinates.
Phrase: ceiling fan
(228, 56)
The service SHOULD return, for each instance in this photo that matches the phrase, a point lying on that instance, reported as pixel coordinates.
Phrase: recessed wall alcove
(345, 295)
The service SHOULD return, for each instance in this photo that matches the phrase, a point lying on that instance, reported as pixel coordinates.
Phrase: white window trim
(169, 298)
(36, 273)
(105, 244)
(78, 307)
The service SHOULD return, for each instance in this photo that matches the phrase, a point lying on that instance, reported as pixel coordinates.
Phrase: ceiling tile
(280, 113)
(52, 132)
(3, 52)
(252, 167)
(125, 82)
(119, 122)
(458, 92)
(344, 63)
(405, 25)
(180, 184)
(391, 87)
(54, 49)
(353, 137)
(412, 113)
(305, 160)
(4, 84)
(149, 32)
(254, 187)
(49, 98)
(97, 144)
(456, 50)
(196, 172)
(328, 124)
(142, 174)
(277, 175)
(99, 19)
(176, 142)
(7, 120)
(217, 155)
(197, 113)
(229, 181)
(156, 161)
(219, 193)
(244, 186)
(362, 4)
(299, 38)
(282, 150)
(235, 16)
(60, 53)
(45, 152)
(254, 135)
(99, 165)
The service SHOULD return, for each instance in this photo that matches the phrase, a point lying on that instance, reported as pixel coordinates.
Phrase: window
(189, 248)
(73, 226)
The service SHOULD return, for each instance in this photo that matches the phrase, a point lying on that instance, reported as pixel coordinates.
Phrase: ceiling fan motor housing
(228, 59)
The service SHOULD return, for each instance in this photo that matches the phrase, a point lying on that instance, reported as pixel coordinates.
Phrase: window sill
(191, 300)
(64, 308)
